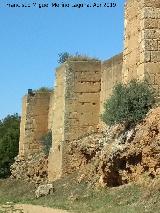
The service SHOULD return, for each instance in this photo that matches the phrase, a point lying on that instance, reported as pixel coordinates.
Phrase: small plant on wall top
(43, 89)
(129, 103)
(65, 56)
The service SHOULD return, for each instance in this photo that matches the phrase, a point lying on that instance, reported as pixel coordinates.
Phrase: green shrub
(128, 104)
(46, 141)
(9, 143)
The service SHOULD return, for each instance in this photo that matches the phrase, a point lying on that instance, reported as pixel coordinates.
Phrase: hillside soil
(116, 156)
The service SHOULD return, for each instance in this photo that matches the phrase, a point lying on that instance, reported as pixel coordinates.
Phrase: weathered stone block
(153, 68)
(151, 44)
(150, 23)
(152, 12)
(155, 56)
(150, 3)
(151, 33)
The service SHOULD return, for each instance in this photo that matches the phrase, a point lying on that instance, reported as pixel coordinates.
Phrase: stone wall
(83, 86)
(82, 102)
(34, 122)
(76, 107)
(151, 41)
(141, 58)
(111, 73)
(23, 124)
(55, 155)
(50, 112)
(82, 97)
(132, 41)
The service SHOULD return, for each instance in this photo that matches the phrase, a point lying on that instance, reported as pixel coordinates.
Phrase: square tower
(76, 109)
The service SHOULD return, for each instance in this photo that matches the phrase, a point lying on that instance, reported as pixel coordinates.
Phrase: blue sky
(31, 38)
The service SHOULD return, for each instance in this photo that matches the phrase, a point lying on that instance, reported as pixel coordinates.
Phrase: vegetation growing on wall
(44, 89)
(129, 103)
(9, 143)
(65, 56)
(46, 141)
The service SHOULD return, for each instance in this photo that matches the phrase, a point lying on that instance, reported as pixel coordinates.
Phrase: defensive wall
(82, 86)
(77, 106)
(34, 121)
(141, 56)
(111, 73)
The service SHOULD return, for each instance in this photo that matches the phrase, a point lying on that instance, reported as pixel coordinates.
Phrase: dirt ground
(26, 208)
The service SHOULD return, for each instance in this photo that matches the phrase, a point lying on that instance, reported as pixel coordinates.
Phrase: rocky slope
(114, 157)
(108, 157)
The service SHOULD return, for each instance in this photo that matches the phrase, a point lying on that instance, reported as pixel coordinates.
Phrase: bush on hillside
(128, 104)
(9, 143)
(46, 141)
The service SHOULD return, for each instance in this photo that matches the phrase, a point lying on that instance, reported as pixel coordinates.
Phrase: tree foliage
(129, 103)
(9, 142)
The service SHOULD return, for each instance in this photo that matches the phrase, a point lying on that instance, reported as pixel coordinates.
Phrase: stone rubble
(44, 190)
(33, 168)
